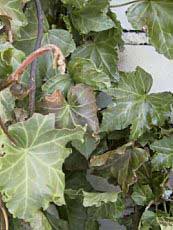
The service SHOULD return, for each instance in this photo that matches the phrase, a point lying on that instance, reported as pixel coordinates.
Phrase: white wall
(135, 54)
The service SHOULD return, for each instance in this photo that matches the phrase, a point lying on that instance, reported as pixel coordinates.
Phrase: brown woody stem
(59, 60)
(32, 80)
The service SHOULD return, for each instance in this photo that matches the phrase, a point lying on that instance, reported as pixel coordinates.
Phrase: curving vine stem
(32, 80)
(59, 61)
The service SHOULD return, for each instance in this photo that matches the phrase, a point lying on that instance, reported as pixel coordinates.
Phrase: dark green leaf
(102, 51)
(134, 106)
(59, 81)
(157, 17)
(164, 153)
(142, 194)
(31, 171)
(91, 16)
(85, 71)
(80, 108)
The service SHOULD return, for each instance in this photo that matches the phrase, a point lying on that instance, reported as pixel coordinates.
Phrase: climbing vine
(80, 141)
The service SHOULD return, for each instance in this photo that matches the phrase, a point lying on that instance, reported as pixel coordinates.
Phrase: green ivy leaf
(109, 210)
(31, 171)
(134, 106)
(80, 108)
(11, 10)
(76, 3)
(61, 38)
(97, 199)
(86, 148)
(28, 33)
(7, 103)
(59, 81)
(157, 16)
(10, 58)
(142, 194)
(166, 223)
(85, 71)
(91, 16)
(40, 222)
(54, 219)
(164, 153)
(149, 221)
(102, 51)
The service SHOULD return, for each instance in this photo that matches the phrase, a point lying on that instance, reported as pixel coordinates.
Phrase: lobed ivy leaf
(31, 173)
(135, 106)
(56, 82)
(163, 157)
(85, 71)
(148, 221)
(11, 14)
(80, 108)
(86, 148)
(28, 33)
(75, 3)
(102, 51)
(142, 194)
(166, 223)
(61, 38)
(40, 222)
(157, 17)
(10, 58)
(97, 199)
(7, 104)
(56, 223)
(123, 163)
(91, 16)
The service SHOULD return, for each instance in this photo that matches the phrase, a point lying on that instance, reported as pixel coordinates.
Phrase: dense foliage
(99, 145)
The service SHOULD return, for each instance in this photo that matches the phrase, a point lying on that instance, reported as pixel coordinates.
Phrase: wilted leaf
(123, 163)
(157, 17)
(31, 171)
(80, 108)
(85, 71)
(134, 106)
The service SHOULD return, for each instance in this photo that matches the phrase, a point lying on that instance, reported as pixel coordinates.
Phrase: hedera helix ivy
(81, 141)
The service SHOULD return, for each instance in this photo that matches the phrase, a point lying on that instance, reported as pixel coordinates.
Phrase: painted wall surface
(136, 53)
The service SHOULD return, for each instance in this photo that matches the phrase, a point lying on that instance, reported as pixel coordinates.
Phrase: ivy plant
(80, 141)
